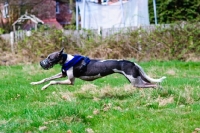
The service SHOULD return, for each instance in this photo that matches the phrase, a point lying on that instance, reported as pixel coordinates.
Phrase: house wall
(45, 10)
(65, 15)
(2, 20)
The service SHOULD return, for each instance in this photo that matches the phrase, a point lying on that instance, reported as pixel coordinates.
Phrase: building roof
(24, 17)
(64, 1)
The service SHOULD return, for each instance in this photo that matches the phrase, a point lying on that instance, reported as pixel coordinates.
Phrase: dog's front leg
(59, 75)
(64, 82)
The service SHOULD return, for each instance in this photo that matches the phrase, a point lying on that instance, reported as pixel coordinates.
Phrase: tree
(170, 11)
(16, 9)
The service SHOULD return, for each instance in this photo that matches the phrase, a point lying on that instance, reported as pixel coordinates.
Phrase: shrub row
(176, 42)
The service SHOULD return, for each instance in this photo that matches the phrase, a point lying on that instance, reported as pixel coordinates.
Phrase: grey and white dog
(93, 69)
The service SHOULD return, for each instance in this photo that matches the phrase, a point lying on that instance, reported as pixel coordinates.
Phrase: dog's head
(52, 59)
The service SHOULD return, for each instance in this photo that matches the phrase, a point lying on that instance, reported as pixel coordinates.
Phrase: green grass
(106, 105)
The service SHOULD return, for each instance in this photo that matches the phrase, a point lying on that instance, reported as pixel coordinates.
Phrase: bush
(176, 42)
(1, 31)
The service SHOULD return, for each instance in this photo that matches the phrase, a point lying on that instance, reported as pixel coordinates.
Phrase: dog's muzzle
(46, 64)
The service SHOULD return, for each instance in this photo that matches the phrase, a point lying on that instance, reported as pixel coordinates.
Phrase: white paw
(53, 82)
(44, 87)
(34, 83)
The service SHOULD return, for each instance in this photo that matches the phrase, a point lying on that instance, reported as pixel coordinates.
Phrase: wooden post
(12, 41)
(35, 27)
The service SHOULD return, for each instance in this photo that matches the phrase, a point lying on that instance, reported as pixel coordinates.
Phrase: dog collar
(64, 58)
(74, 61)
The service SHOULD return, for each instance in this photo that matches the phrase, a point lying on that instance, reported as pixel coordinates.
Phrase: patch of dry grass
(92, 90)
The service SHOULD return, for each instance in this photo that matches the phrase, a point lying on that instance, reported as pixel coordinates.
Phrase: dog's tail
(146, 78)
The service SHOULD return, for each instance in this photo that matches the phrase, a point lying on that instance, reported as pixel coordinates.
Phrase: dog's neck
(66, 58)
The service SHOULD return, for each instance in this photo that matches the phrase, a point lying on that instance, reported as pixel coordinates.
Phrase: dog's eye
(50, 57)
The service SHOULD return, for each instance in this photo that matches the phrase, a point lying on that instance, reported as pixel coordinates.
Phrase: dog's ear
(61, 51)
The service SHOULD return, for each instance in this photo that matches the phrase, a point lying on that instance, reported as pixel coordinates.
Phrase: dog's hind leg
(146, 78)
(142, 84)
(135, 78)
(139, 83)
(59, 75)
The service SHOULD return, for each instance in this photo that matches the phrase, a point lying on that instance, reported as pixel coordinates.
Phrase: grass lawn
(106, 105)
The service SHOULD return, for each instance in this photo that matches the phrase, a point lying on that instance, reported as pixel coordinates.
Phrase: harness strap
(85, 63)
(74, 61)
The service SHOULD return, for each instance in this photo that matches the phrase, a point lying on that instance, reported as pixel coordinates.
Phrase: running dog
(77, 66)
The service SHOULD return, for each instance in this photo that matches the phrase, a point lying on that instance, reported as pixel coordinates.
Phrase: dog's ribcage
(100, 68)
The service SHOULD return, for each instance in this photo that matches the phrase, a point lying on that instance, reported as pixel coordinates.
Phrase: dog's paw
(44, 87)
(33, 83)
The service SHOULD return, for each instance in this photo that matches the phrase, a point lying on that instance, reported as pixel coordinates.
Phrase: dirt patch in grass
(165, 101)
(93, 91)
(171, 72)
(9, 58)
(68, 96)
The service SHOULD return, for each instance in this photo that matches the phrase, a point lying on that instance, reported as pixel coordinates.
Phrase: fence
(16, 36)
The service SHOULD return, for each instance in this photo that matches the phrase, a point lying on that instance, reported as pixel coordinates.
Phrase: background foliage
(178, 41)
(175, 42)
(170, 11)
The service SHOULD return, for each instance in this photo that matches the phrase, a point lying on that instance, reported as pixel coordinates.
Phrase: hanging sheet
(120, 14)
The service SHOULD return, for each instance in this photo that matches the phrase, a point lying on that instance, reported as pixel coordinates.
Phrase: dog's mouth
(51, 60)
(46, 64)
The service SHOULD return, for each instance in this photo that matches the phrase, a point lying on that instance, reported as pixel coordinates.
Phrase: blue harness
(74, 61)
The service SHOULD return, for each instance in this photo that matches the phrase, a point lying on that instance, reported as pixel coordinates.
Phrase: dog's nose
(45, 64)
